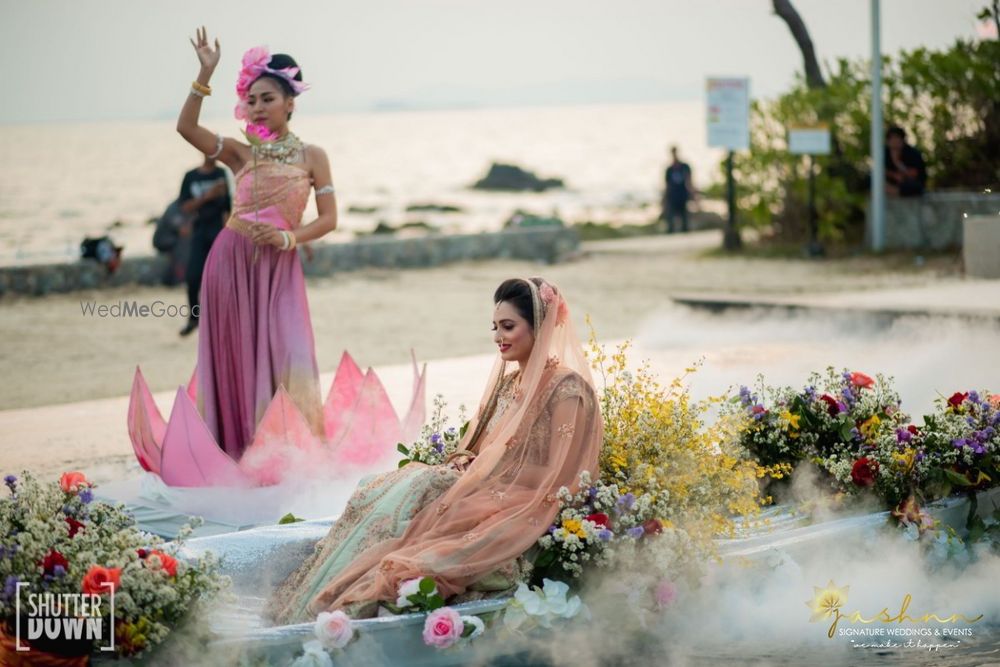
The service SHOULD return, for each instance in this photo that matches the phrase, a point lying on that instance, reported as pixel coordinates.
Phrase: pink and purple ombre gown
(255, 334)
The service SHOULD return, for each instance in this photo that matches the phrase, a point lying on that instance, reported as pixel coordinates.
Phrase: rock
(511, 178)
(433, 208)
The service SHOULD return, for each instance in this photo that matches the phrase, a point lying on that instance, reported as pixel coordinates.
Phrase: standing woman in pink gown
(255, 333)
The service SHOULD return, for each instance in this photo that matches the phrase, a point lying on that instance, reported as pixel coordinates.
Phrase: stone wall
(547, 245)
(934, 221)
(981, 252)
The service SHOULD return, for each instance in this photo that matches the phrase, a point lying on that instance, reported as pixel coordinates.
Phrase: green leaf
(402, 449)
(289, 518)
(461, 431)
(403, 462)
(977, 528)
(434, 602)
(427, 586)
(467, 630)
(957, 478)
(845, 431)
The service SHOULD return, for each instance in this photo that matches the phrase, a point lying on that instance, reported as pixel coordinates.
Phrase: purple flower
(435, 438)
(626, 501)
(605, 535)
(553, 528)
(855, 434)
(920, 455)
(10, 586)
(958, 443)
(592, 493)
(974, 397)
(10, 481)
(903, 435)
(746, 398)
(58, 571)
(636, 533)
(848, 395)
(85, 495)
(810, 392)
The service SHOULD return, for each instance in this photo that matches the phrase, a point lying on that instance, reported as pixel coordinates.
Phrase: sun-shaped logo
(826, 601)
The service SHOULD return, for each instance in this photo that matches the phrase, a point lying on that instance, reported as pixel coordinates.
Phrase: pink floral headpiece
(255, 63)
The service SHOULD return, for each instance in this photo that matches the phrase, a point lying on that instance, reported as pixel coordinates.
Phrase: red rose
(831, 404)
(142, 553)
(913, 429)
(97, 577)
(74, 526)
(52, 559)
(957, 399)
(652, 527)
(861, 380)
(167, 562)
(600, 519)
(863, 471)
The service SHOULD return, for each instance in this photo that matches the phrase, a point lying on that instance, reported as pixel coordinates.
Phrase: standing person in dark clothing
(905, 172)
(205, 195)
(677, 193)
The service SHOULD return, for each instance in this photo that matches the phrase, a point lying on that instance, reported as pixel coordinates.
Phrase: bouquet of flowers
(833, 422)
(436, 442)
(56, 539)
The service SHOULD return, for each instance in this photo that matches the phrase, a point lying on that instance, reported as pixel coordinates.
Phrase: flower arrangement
(657, 444)
(55, 538)
(437, 442)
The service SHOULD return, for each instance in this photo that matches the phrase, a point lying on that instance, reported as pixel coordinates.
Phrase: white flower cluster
(542, 606)
(437, 442)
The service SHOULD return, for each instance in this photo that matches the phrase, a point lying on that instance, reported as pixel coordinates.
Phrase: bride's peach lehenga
(535, 432)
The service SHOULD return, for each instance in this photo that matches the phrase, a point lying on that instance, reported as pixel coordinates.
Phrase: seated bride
(466, 523)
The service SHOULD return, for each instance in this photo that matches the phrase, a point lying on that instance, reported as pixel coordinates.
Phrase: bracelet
(292, 241)
(284, 240)
(203, 89)
(197, 93)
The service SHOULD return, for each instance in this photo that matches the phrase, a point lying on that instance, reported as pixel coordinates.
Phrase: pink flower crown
(255, 63)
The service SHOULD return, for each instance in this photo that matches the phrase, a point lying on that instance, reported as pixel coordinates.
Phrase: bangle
(218, 147)
(203, 89)
(291, 240)
(284, 240)
(197, 93)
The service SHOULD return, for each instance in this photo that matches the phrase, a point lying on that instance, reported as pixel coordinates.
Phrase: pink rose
(665, 594)
(333, 629)
(861, 380)
(443, 628)
(73, 481)
(995, 400)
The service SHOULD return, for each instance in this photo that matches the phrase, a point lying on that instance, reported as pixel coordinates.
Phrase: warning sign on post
(728, 102)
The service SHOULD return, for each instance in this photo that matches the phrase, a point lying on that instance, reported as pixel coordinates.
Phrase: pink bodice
(272, 185)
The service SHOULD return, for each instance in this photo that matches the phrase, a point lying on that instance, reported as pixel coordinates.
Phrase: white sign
(728, 113)
(809, 140)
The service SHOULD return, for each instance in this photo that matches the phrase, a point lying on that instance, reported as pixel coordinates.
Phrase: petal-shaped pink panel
(283, 441)
(191, 457)
(373, 430)
(342, 397)
(417, 412)
(192, 388)
(146, 427)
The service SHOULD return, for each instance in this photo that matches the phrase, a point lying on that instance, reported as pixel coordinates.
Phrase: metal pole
(876, 212)
(731, 237)
(815, 248)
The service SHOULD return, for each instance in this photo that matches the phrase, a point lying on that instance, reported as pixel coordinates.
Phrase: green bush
(948, 101)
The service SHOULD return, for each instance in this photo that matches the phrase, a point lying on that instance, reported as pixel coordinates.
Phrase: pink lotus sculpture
(361, 428)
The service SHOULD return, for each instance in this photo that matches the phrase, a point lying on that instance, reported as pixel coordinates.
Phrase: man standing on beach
(205, 195)
(677, 193)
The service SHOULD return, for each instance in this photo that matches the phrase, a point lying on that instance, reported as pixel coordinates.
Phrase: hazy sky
(131, 59)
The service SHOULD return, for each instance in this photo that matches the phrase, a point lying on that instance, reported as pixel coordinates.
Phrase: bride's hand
(461, 463)
(207, 56)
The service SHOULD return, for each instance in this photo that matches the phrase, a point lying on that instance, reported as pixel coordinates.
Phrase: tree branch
(785, 10)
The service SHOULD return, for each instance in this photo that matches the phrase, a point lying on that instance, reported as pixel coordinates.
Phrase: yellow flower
(574, 527)
(905, 460)
(791, 423)
(870, 425)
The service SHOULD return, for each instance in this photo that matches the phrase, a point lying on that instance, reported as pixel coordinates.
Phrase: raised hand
(207, 56)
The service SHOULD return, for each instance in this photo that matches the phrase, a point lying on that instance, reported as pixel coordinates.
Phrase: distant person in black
(678, 191)
(205, 195)
(905, 171)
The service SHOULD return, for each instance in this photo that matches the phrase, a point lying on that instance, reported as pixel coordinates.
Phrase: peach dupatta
(548, 435)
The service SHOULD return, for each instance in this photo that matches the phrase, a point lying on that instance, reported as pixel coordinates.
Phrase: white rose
(314, 655)
(406, 589)
(333, 629)
(476, 623)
